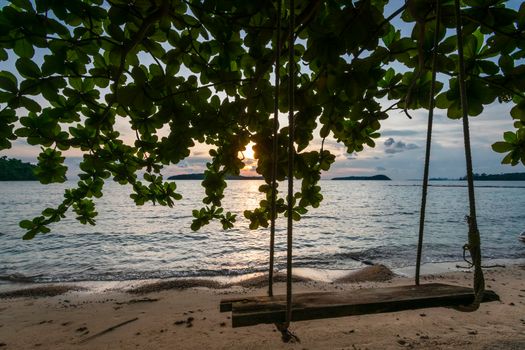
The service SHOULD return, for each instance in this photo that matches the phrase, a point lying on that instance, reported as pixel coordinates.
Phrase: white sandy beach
(190, 319)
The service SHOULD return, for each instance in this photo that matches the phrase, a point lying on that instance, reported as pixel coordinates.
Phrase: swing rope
(287, 336)
(275, 149)
(429, 142)
(473, 233)
(291, 151)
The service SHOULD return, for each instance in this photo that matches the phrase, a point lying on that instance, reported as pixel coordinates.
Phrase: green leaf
(23, 4)
(23, 48)
(518, 111)
(26, 224)
(507, 159)
(506, 63)
(510, 137)
(502, 147)
(29, 104)
(8, 82)
(27, 68)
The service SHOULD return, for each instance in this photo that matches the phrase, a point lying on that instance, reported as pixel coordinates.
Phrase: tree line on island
(16, 170)
(497, 177)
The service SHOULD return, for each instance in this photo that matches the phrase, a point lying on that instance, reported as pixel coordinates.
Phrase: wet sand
(184, 314)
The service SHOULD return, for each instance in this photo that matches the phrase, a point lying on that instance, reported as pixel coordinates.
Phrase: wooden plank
(309, 306)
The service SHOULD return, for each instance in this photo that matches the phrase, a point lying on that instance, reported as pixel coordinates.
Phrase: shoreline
(224, 282)
(190, 318)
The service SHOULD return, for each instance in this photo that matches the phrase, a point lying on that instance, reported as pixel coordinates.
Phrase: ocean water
(358, 221)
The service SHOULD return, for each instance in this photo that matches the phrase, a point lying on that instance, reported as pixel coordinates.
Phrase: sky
(399, 152)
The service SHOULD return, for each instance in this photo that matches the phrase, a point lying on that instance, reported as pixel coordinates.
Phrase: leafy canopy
(182, 72)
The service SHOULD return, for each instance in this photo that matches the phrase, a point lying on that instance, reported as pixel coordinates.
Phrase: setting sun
(248, 157)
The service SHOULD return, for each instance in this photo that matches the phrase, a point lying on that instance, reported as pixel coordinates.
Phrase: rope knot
(286, 335)
(466, 248)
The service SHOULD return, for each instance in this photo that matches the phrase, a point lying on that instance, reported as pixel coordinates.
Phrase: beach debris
(45, 321)
(82, 329)
(136, 301)
(107, 330)
(188, 322)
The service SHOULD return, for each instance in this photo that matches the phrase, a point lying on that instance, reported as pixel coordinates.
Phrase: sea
(358, 223)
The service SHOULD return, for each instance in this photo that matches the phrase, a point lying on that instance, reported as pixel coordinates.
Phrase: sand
(176, 315)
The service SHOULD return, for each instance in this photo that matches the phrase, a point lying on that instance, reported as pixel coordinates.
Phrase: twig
(107, 330)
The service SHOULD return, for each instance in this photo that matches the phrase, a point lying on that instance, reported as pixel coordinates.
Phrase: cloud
(351, 156)
(389, 142)
(200, 153)
(380, 168)
(393, 147)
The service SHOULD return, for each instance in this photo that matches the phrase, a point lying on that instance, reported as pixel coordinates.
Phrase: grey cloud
(389, 142)
(398, 147)
(380, 168)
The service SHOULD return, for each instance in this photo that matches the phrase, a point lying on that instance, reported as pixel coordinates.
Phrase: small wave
(321, 217)
(19, 278)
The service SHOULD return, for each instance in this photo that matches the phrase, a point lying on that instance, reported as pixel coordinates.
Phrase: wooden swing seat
(311, 306)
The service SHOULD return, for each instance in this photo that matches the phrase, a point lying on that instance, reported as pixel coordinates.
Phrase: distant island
(374, 178)
(497, 177)
(201, 177)
(15, 170)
